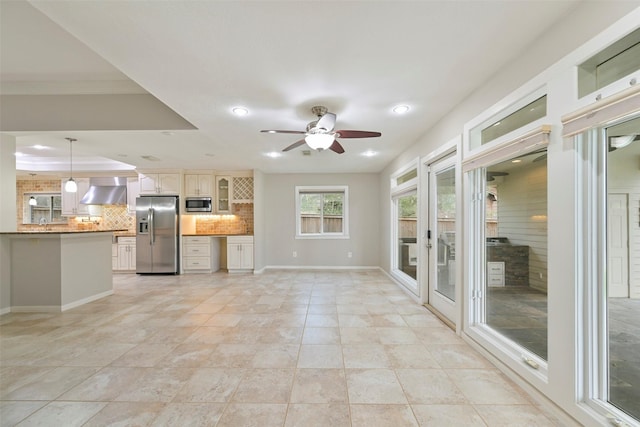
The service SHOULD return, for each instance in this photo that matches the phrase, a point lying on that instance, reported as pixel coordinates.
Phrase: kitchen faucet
(43, 221)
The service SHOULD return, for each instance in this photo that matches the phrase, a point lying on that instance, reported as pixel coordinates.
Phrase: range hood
(106, 191)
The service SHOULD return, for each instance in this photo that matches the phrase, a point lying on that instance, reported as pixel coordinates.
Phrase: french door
(441, 237)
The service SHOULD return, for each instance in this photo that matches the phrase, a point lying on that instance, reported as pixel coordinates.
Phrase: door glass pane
(623, 265)
(446, 233)
(516, 250)
(407, 229)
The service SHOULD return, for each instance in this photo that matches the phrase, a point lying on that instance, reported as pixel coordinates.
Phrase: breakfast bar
(52, 271)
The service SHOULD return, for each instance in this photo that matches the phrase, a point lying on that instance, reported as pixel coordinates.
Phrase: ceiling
(275, 58)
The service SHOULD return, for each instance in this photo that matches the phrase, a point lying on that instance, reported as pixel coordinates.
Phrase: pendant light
(70, 186)
(32, 200)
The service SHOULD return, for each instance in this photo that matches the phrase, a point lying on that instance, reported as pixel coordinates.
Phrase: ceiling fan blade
(357, 134)
(327, 121)
(336, 147)
(295, 145)
(283, 131)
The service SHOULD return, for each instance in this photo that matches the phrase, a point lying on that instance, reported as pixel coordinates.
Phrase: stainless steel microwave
(198, 204)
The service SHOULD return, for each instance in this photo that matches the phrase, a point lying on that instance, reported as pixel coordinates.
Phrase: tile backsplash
(240, 222)
(113, 216)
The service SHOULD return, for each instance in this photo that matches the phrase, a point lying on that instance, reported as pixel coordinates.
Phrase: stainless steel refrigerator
(157, 231)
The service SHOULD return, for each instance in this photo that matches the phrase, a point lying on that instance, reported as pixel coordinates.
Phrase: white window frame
(592, 368)
(399, 190)
(321, 190)
(474, 167)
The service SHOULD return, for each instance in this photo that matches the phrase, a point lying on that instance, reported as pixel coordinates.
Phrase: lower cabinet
(125, 259)
(200, 254)
(239, 253)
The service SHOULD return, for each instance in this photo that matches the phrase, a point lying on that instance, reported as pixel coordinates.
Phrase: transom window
(321, 212)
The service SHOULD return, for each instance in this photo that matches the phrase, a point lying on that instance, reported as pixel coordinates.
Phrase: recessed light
(370, 153)
(516, 161)
(240, 111)
(18, 154)
(401, 109)
(496, 124)
(273, 154)
(40, 147)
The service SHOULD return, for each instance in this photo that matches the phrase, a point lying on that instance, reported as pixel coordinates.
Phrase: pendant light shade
(70, 186)
(33, 201)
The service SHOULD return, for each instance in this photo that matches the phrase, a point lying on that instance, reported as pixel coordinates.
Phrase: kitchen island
(45, 271)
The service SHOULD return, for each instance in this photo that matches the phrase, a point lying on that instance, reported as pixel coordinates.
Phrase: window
(611, 64)
(508, 247)
(522, 113)
(322, 212)
(47, 209)
(611, 256)
(404, 226)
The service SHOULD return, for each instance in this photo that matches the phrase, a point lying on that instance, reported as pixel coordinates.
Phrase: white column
(7, 183)
(7, 214)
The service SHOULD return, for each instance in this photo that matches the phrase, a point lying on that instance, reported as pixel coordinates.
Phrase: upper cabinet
(197, 185)
(159, 183)
(133, 191)
(71, 201)
(223, 193)
(242, 189)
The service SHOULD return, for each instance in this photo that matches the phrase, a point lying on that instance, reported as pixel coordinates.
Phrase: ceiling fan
(320, 134)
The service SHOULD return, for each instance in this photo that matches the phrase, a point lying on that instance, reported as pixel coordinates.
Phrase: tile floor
(285, 348)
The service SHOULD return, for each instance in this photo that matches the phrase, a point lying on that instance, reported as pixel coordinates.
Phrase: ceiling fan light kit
(320, 134)
(319, 141)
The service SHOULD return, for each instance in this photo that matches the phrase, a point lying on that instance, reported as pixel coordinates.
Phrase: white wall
(259, 230)
(280, 223)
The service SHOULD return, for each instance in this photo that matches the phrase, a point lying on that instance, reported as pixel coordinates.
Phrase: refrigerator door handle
(152, 237)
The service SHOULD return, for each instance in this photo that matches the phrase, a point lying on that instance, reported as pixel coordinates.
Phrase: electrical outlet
(349, 254)
(295, 254)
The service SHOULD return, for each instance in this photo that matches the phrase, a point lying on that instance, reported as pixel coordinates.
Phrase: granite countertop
(61, 231)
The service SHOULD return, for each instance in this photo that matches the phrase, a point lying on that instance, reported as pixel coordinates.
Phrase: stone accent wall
(241, 222)
(516, 262)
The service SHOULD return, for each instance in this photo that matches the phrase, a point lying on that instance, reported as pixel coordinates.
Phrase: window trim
(474, 170)
(300, 189)
(592, 367)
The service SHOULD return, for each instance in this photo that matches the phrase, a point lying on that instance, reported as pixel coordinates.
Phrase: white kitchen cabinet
(71, 205)
(159, 183)
(200, 254)
(114, 256)
(239, 253)
(495, 274)
(197, 185)
(133, 191)
(126, 254)
(223, 194)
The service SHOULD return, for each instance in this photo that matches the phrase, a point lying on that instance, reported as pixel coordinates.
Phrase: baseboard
(36, 309)
(320, 267)
(5, 310)
(85, 300)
